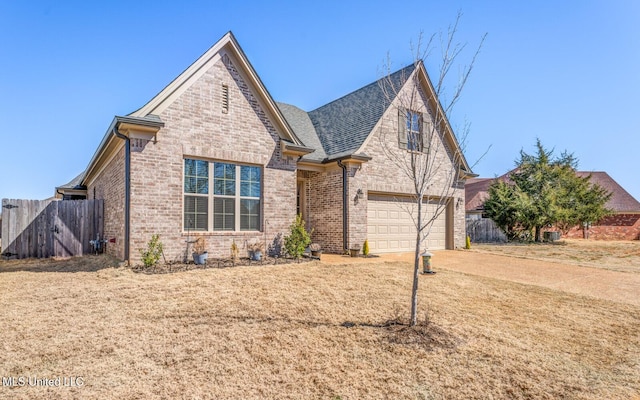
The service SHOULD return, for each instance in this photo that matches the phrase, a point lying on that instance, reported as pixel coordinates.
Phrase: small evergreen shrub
(152, 254)
(365, 248)
(467, 243)
(298, 239)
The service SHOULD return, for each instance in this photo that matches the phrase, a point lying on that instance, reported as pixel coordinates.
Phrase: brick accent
(324, 199)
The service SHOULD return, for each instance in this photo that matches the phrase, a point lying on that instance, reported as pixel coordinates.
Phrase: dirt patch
(277, 332)
(60, 264)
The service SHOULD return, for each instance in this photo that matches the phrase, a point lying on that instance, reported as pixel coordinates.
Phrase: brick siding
(196, 126)
(109, 186)
(615, 227)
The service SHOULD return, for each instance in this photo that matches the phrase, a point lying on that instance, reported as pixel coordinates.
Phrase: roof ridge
(413, 66)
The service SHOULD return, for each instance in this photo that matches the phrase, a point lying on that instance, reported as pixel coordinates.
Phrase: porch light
(360, 194)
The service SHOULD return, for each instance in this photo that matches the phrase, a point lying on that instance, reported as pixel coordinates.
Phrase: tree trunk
(416, 270)
(538, 234)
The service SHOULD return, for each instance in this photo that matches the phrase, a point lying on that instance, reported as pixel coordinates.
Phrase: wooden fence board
(47, 228)
(484, 231)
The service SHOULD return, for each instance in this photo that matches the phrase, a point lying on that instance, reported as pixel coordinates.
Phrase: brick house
(214, 155)
(624, 224)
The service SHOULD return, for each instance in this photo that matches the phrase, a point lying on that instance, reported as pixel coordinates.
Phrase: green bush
(467, 243)
(298, 239)
(152, 254)
(365, 248)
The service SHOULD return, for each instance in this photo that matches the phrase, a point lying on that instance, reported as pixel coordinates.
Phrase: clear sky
(567, 72)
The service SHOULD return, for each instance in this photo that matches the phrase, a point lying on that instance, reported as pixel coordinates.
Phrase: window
(410, 130)
(235, 200)
(196, 190)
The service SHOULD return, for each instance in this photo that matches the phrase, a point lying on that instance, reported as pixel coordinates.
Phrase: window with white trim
(233, 204)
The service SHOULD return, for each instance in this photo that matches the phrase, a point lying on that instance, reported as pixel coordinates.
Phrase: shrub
(275, 247)
(467, 243)
(298, 238)
(199, 246)
(151, 255)
(365, 248)
(234, 250)
(257, 246)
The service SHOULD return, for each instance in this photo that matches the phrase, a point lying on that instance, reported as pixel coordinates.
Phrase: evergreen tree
(545, 191)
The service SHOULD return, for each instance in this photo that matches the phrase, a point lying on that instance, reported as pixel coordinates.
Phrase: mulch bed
(171, 267)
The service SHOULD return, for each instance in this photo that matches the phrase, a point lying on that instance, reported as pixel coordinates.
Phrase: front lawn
(308, 331)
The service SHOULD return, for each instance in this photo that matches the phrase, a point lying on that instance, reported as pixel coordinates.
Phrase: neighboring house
(214, 155)
(624, 224)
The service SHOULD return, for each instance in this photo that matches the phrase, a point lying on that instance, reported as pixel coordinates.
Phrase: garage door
(391, 229)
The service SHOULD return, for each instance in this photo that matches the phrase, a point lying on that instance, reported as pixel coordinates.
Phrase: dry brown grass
(267, 332)
(621, 256)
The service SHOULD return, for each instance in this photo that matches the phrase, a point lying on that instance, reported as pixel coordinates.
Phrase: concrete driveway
(603, 284)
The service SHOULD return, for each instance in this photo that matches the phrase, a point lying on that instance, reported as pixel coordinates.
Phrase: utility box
(551, 236)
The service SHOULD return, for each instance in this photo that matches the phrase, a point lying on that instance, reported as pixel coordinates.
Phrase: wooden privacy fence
(484, 230)
(50, 228)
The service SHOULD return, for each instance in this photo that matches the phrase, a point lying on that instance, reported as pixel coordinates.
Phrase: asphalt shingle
(340, 127)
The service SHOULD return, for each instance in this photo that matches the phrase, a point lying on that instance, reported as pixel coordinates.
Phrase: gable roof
(344, 124)
(226, 45)
(148, 114)
(477, 192)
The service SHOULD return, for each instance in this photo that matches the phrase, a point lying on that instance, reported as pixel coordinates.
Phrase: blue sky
(567, 72)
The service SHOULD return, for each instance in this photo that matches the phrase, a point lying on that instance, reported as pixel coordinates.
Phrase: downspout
(127, 189)
(344, 205)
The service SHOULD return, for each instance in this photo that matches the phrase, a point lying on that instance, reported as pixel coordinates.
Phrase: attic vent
(225, 99)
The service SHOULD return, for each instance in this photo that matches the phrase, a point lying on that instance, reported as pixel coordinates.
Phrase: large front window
(234, 202)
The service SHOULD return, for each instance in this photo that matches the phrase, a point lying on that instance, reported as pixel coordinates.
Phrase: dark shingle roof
(340, 127)
(344, 124)
(75, 183)
(301, 124)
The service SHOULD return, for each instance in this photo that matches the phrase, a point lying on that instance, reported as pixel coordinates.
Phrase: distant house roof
(621, 201)
(341, 126)
(477, 192)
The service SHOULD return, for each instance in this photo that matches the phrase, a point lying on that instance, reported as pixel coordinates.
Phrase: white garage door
(391, 229)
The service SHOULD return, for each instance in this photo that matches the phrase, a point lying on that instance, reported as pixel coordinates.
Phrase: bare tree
(427, 151)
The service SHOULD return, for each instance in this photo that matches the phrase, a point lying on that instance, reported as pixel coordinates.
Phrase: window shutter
(402, 128)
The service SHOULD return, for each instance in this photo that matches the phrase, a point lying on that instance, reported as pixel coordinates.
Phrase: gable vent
(225, 99)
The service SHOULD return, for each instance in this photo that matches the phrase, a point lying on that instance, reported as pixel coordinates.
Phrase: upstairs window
(410, 130)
